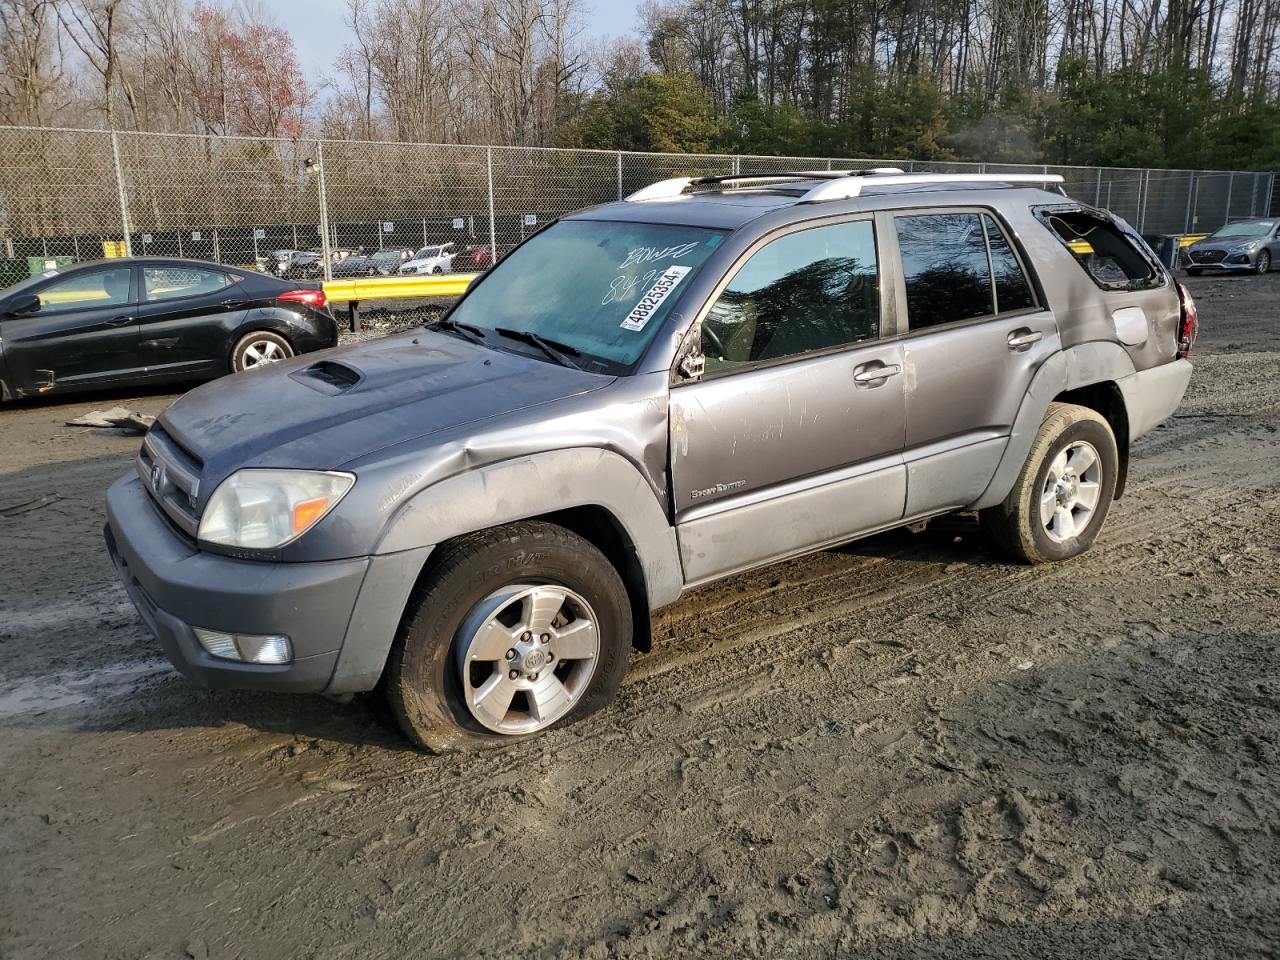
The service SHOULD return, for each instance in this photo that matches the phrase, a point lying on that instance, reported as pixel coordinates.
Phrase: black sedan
(151, 320)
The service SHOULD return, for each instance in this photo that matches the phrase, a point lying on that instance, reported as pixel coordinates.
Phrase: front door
(85, 333)
(792, 438)
(975, 337)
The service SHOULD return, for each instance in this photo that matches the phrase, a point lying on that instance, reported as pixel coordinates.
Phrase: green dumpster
(39, 265)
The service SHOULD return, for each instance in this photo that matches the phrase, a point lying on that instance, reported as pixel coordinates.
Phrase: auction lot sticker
(644, 308)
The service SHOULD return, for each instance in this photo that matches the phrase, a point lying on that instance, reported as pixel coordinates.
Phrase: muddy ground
(902, 748)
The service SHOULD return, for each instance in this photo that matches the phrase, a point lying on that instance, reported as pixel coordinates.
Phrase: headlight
(261, 509)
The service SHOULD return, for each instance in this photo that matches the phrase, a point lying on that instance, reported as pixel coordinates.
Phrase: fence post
(1097, 190)
(493, 235)
(1231, 186)
(619, 174)
(123, 195)
(324, 211)
(1191, 190)
(1144, 188)
(1271, 184)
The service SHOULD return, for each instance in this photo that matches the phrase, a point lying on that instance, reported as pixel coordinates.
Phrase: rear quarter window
(1113, 257)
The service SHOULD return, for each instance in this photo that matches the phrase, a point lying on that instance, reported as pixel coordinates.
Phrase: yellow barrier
(397, 287)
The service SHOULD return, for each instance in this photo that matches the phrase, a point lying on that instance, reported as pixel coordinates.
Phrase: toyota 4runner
(714, 374)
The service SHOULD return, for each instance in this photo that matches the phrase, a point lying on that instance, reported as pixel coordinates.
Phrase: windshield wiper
(561, 353)
(464, 330)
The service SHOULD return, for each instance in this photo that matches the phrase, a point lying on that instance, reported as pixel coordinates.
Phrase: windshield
(601, 288)
(1247, 228)
(28, 282)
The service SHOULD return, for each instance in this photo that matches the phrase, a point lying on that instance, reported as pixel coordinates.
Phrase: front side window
(600, 288)
(99, 288)
(809, 290)
(945, 268)
(173, 283)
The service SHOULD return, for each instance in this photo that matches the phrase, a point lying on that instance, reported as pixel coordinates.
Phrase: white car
(431, 260)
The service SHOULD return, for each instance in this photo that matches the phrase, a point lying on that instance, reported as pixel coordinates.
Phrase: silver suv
(714, 374)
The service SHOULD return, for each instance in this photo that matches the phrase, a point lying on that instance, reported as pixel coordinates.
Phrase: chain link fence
(85, 194)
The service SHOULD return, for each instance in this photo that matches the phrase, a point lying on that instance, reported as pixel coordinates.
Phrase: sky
(319, 31)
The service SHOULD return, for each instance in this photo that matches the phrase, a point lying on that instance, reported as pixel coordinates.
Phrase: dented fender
(1084, 364)
(539, 484)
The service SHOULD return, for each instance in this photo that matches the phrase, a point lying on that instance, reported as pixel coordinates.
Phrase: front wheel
(1263, 263)
(1060, 500)
(514, 631)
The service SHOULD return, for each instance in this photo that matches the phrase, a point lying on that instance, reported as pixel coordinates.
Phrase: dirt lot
(902, 748)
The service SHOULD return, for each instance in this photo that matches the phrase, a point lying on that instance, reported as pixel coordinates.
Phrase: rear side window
(174, 283)
(945, 267)
(1114, 259)
(1013, 292)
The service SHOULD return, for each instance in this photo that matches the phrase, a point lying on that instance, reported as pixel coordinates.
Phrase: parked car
(277, 262)
(437, 259)
(374, 263)
(642, 398)
(149, 320)
(1242, 245)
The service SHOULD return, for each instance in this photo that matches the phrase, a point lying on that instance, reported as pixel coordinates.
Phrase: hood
(322, 410)
(1223, 243)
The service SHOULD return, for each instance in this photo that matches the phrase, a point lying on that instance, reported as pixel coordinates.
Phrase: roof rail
(839, 184)
(847, 188)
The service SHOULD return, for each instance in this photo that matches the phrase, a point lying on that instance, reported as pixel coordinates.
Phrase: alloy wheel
(526, 655)
(1072, 489)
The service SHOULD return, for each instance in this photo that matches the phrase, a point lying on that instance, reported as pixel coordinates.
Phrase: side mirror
(23, 304)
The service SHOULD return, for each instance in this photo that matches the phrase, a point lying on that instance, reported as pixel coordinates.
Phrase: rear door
(792, 438)
(975, 335)
(84, 333)
(187, 318)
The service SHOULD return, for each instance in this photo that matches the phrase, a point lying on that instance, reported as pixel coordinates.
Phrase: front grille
(171, 476)
(1208, 256)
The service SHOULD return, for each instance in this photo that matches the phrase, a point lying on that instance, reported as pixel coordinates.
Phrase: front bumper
(175, 587)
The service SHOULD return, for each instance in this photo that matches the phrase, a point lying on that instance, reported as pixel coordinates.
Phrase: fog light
(245, 647)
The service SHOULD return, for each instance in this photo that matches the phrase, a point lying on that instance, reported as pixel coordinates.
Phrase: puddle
(76, 688)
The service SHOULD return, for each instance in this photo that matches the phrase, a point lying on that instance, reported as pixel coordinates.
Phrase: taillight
(312, 298)
(1189, 325)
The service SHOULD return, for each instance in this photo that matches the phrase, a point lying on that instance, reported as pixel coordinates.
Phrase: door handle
(869, 374)
(1021, 339)
(119, 321)
(233, 303)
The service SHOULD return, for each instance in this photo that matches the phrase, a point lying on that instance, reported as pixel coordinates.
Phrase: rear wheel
(516, 630)
(258, 349)
(1060, 500)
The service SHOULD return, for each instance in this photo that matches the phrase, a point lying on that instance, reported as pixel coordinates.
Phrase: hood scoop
(328, 376)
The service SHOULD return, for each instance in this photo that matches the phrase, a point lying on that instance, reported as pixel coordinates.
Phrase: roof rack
(841, 184)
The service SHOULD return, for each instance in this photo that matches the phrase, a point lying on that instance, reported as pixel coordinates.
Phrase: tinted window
(944, 264)
(805, 291)
(600, 287)
(101, 288)
(1013, 292)
(172, 283)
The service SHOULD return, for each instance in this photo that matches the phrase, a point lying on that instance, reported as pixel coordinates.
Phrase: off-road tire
(421, 681)
(249, 340)
(1014, 525)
